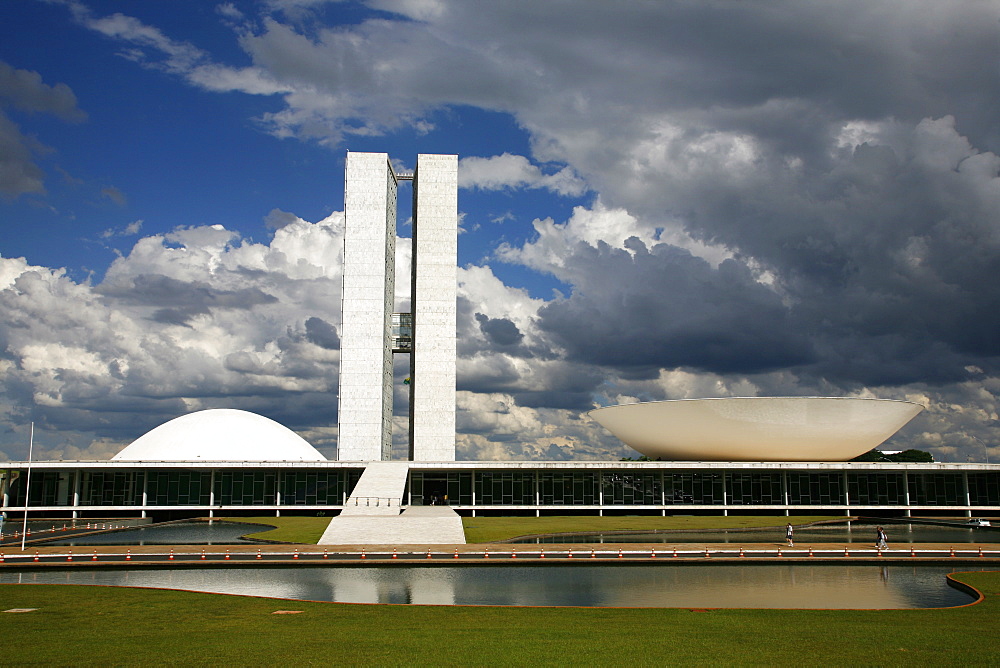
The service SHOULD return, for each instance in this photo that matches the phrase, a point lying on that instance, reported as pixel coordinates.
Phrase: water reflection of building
(417, 586)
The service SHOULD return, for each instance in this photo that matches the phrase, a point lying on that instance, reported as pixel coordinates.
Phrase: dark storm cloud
(574, 401)
(500, 331)
(497, 373)
(119, 417)
(666, 308)
(891, 251)
(322, 333)
(480, 334)
(179, 301)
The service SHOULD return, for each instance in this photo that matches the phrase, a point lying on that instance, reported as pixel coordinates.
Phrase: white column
(784, 490)
(538, 492)
(434, 293)
(278, 479)
(847, 495)
(906, 492)
(77, 474)
(725, 510)
(965, 488)
(365, 396)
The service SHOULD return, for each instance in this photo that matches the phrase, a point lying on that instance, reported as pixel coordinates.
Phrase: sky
(658, 200)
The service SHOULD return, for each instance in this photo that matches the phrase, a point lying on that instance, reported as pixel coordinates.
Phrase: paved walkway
(420, 554)
(423, 525)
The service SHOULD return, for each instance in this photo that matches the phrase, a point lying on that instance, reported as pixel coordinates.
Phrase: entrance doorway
(436, 491)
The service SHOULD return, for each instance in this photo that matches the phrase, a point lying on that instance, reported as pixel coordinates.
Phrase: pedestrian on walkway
(789, 531)
(881, 539)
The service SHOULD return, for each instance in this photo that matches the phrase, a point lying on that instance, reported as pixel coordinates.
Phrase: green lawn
(490, 529)
(78, 625)
(307, 530)
(302, 530)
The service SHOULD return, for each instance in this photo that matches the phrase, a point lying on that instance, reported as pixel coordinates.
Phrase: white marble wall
(365, 396)
(434, 292)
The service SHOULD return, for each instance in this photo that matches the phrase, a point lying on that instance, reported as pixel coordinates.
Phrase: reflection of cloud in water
(790, 586)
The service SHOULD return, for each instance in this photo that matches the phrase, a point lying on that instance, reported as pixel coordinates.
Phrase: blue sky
(659, 201)
(150, 147)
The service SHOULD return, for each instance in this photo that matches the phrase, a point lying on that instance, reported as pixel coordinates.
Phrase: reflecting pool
(175, 533)
(698, 586)
(847, 532)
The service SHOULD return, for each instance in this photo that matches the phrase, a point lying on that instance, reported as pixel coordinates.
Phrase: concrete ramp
(419, 525)
(372, 516)
(379, 491)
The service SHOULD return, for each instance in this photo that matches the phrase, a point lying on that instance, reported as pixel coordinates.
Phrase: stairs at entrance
(379, 492)
(372, 516)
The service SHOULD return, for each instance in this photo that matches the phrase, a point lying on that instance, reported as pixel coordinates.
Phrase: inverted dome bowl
(790, 429)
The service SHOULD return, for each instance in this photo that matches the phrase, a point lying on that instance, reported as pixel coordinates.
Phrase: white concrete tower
(366, 341)
(433, 295)
(365, 396)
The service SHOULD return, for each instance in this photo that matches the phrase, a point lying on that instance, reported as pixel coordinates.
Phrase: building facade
(181, 489)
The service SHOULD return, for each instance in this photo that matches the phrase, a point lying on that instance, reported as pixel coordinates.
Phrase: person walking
(789, 531)
(881, 539)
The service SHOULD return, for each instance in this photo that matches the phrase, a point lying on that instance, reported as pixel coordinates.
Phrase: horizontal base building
(176, 489)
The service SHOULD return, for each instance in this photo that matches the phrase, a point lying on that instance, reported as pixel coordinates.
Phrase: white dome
(739, 429)
(221, 435)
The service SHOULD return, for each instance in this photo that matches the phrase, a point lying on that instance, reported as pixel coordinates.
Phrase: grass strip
(492, 529)
(308, 530)
(302, 530)
(80, 625)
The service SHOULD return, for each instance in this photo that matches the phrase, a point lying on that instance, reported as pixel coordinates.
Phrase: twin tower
(371, 332)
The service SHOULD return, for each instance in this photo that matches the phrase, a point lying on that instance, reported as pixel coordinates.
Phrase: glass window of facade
(505, 488)
(632, 489)
(245, 488)
(427, 488)
(876, 489)
(756, 489)
(314, 488)
(48, 488)
(984, 489)
(179, 488)
(697, 488)
(936, 489)
(815, 489)
(110, 488)
(568, 488)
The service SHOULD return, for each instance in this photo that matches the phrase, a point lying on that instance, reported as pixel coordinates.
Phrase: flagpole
(27, 486)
